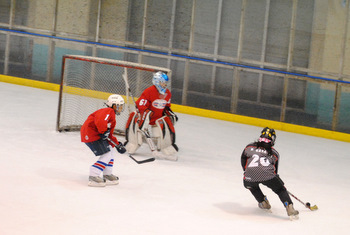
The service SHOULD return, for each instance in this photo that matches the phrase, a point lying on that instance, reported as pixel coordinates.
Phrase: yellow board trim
(29, 82)
(195, 111)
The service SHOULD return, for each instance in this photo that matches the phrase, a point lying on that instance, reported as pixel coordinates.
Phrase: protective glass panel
(20, 56)
(318, 109)
(2, 51)
(259, 97)
(344, 110)
(199, 78)
(223, 82)
(249, 86)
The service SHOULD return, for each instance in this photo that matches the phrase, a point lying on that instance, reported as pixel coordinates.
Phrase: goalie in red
(95, 132)
(153, 120)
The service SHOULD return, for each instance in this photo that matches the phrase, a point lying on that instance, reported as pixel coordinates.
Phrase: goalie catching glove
(168, 112)
(120, 148)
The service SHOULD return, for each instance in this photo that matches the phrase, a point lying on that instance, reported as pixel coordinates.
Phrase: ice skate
(96, 181)
(111, 179)
(265, 205)
(291, 212)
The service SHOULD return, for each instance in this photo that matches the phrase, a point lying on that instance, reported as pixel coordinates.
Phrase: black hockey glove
(120, 148)
(170, 114)
(105, 135)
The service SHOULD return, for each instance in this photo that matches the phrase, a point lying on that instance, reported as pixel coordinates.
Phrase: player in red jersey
(96, 130)
(153, 114)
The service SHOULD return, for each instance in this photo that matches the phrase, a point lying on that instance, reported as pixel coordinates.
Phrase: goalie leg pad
(132, 134)
(165, 133)
(145, 118)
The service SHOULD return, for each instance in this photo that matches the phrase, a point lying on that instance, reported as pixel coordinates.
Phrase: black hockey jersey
(258, 163)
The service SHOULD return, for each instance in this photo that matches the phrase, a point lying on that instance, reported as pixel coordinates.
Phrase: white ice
(43, 179)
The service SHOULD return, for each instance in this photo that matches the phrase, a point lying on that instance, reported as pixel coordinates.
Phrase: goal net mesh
(87, 82)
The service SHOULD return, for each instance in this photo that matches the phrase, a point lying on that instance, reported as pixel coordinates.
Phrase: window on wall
(229, 28)
(78, 19)
(303, 31)
(278, 32)
(21, 13)
(159, 28)
(158, 23)
(5, 6)
(136, 21)
(182, 25)
(205, 26)
(253, 31)
(278, 16)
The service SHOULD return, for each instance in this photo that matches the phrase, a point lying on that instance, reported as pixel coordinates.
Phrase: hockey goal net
(86, 83)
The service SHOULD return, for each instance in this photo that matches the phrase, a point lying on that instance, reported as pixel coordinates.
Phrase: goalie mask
(160, 80)
(267, 138)
(116, 101)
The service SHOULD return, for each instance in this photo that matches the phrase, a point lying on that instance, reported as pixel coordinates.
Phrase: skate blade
(112, 182)
(95, 184)
(294, 217)
(266, 210)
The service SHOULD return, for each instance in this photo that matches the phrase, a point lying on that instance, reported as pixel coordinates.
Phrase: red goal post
(86, 83)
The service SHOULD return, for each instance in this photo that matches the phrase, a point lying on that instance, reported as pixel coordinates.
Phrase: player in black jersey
(260, 165)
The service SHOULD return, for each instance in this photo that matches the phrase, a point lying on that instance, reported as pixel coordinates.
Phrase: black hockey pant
(275, 184)
(99, 147)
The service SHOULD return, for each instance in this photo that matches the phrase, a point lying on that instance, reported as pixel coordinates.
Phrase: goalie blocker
(162, 132)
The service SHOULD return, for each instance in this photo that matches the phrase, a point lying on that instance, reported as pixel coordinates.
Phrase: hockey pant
(163, 132)
(105, 162)
(275, 184)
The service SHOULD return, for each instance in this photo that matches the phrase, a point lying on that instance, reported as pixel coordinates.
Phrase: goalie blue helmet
(160, 80)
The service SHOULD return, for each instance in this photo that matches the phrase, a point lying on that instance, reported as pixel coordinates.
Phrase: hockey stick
(130, 156)
(145, 133)
(307, 205)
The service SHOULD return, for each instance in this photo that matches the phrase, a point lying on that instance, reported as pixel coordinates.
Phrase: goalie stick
(307, 204)
(130, 156)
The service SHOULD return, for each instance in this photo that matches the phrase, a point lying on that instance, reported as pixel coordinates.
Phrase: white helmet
(160, 80)
(116, 100)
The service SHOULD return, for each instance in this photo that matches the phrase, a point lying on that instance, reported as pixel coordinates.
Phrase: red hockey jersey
(151, 99)
(97, 123)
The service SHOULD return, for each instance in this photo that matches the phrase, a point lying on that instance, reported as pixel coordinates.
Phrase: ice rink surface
(44, 176)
